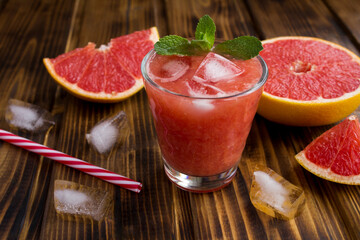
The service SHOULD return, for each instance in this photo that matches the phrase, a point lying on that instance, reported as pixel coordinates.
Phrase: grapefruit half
(335, 155)
(107, 74)
(311, 81)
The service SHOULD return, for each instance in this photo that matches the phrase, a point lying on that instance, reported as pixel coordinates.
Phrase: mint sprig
(176, 45)
(244, 47)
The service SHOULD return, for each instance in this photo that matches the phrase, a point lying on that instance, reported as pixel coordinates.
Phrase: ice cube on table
(109, 132)
(215, 68)
(274, 195)
(28, 117)
(76, 200)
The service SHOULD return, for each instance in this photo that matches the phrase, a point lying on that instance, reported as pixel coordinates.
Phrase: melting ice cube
(29, 117)
(73, 199)
(109, 132)
(215, 68)
(203, 104)
(274, 195)
(171, 70)
(174, 70)
(197, 89)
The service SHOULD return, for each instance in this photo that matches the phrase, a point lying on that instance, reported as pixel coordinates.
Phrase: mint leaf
(176, 45)
(171, 45)
(244, 47)
(201, 45)
(205, 30)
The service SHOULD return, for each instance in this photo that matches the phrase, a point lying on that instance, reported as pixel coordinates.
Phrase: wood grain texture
(25, 176)
(347, 15)
(46, 28)
(301, 18)
(231, 17)
(312, 19)
(134, 215)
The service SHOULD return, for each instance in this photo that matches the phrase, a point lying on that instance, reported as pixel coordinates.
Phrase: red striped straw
(67, 160)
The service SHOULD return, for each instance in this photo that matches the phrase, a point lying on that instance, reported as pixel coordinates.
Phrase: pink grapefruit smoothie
(203, 108)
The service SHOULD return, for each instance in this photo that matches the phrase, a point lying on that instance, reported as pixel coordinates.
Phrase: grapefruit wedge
(107, 74)
(335, 155)
(311, 81)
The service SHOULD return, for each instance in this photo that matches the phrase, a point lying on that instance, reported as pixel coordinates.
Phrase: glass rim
(255, 87)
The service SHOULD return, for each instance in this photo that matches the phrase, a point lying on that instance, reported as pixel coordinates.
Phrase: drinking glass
(201, 138)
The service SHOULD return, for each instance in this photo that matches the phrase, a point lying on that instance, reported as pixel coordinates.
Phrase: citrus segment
(131, 50)
(335, 155)
(64, 67)
(311, 81)
(131, 57)
(93, 79)
(107, 74)
(118, 79)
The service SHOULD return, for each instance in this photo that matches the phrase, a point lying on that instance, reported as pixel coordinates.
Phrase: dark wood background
(32, 30)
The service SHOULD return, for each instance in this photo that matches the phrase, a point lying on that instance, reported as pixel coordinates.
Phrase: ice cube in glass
(109, 133)
(215, 68)
(174, 70)
(171, 68)
(76, 200)
(28, 117)
(274, 195)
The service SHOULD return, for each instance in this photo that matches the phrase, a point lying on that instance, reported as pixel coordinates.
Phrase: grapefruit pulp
(107, 74)
(311, 81)
(335, 155)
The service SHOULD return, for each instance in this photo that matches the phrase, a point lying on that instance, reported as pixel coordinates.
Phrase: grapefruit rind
(154, 36)
(92, 96)
(101, 97)
(325, 173)
(309, 113)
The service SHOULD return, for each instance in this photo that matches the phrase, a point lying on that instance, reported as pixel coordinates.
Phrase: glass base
(200, 184)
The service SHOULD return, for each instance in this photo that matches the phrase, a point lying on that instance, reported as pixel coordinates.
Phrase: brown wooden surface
(32, 30)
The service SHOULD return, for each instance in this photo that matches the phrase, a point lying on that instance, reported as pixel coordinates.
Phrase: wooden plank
(145, 215)
(272, 145)
(347, 14)
(231, 17)
(24, 35)
(323, 216)
(302, 18)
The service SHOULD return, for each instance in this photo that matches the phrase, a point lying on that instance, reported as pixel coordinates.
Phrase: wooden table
(32, 30)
